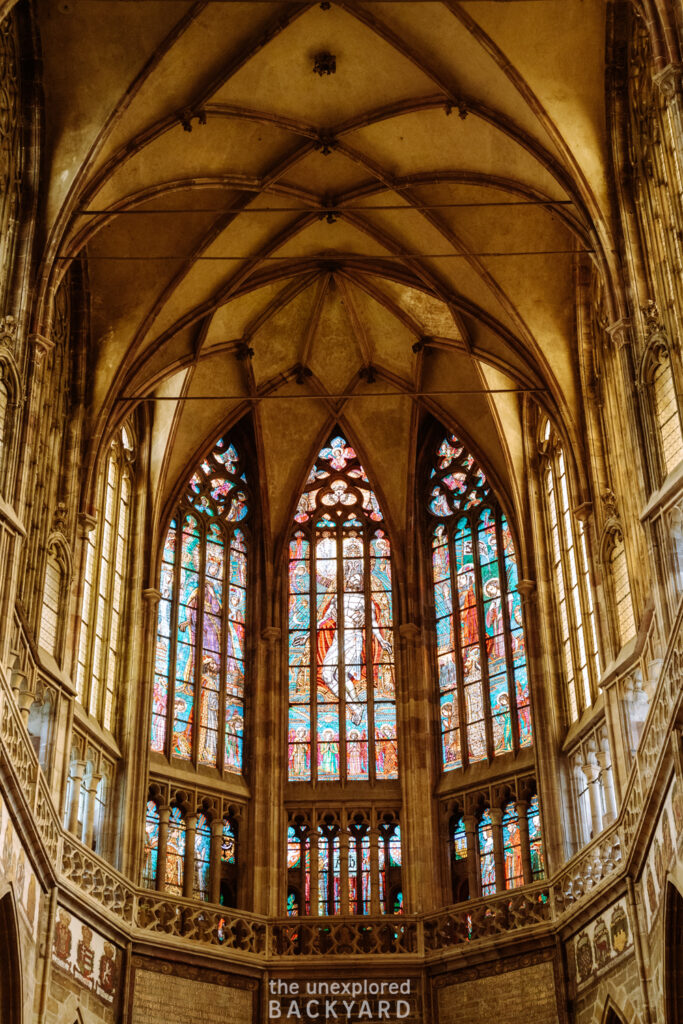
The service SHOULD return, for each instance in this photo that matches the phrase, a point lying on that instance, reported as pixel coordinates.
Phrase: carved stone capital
(86, 523)
(151, 596)
(527, 589)
(8, 330)
(271, 635)
(409, 633)
(583, 512)
(42, 345)
(620, 332)
(668, 81)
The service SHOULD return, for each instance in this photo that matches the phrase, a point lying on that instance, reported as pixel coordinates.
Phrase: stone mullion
(592, 774)
(216, 853)
(344, 866)
(498, 852)
(87, 526)
(341, 654)
(315, 864)
(162, 847)
(91, 803)
(567, 538)
(190, 843)
(77, 780)
(370, 659)
(522, 808)
(109, 597)
(374, 871)
(473, 873)
(313, 632)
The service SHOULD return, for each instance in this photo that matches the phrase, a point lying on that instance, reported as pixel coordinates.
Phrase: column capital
(42, 345)
(151, 596)
(522, 808)
(583, 512)
(496, 815)
(527, 589)
(271, 635)
(620, 332)
(602, 758)
(668, 80)
(591, 771)
(409, 633)
(86, 524)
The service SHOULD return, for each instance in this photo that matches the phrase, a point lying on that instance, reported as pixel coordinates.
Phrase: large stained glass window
(535, 841)
(149, 868)
(198, 711)
(342, 710)
(480, 648)
(512, 848)
(487, 864)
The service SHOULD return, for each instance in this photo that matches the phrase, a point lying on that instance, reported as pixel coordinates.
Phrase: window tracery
(342, 702)
(55, 583)
(198, 709)
(103, 596)
(343, 862)
(573, 589)
(480, 645)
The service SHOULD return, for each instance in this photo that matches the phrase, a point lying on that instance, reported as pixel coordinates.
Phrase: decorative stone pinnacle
(324, 63)
(653, 321)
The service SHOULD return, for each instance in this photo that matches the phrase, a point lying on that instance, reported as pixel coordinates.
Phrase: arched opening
(673, 955)
(10, 958)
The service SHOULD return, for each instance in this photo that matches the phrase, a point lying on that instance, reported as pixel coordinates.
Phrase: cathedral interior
(341, 511)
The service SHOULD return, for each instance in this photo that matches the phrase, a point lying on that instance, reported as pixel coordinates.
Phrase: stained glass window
(198, 709)
(229, 843)
(104, 589)
(342, 711)
(149, 869)
(512, 848)
(480, 648)
(535, 841)
(359, 869)
(329, 870)
(202, 858)
(175, 852)
(298, 870)
(460, 841)
(621, 586)
(666, 412)
(487, 864)
(48, 636)
(576, 621)
(390, 860)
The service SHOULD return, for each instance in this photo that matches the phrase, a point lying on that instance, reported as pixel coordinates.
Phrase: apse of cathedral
(341, 511)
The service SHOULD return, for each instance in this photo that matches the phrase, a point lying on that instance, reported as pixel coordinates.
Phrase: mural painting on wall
(601, 943)
(84, 954)
(15, 867)
(665, 849)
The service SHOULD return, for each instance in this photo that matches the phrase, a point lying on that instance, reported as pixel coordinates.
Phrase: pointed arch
(480, 645)
(199, 681)
(342, 695)
(11, 981)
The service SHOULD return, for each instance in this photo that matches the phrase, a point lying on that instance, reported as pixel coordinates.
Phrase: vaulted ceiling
(397, 234)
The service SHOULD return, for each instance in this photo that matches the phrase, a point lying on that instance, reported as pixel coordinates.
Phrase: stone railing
(17, 753)
(344, 936)
(492, 915)
(96, 879)
(593, 864)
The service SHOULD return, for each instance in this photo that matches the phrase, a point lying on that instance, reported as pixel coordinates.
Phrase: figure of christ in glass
(480, 651)
(342, 718)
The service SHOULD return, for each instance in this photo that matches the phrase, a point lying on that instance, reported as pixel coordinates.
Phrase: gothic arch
(673, 955)
(11, 982)
(611, 1015)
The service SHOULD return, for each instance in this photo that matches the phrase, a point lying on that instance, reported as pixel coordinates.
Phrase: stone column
(162, 847)
(76, 782)
(473, 874)
(498, 856)
(668, 81)
(190, 838)
(592, 773)
(89, 824)
(607, 785)
(264, 885)
(215, 863)
(375, 907)
(315, 852)
(344, 868)
(522, 809)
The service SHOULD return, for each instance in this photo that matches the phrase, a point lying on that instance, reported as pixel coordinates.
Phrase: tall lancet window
(480, 648)
(198, 712)
(342, 710)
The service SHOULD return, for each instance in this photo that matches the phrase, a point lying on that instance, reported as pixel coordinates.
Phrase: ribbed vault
(400, 234)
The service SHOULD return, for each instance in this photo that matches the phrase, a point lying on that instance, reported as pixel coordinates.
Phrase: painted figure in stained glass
(341, 679)
(480, 654)
(200, 671)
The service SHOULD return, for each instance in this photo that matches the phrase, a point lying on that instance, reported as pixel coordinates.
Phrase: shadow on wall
(10, 959)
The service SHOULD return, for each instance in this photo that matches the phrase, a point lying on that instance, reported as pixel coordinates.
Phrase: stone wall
(618, 987)
(164, 992)
(514, 993)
